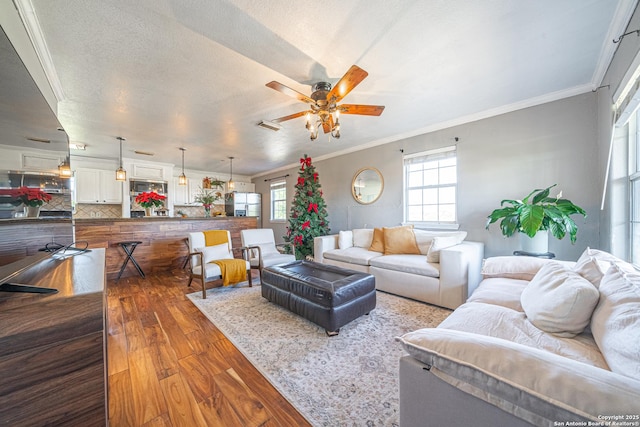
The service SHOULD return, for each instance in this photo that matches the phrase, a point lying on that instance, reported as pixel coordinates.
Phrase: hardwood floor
(169, 366)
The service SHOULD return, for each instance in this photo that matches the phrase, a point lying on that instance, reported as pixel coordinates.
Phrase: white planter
(538, 244)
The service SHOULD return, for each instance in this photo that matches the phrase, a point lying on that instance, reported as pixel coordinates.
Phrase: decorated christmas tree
(308, 216)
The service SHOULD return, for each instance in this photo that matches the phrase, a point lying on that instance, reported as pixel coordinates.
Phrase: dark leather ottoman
(327, 295)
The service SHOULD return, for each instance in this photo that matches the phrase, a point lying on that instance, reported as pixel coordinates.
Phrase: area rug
(346, 380)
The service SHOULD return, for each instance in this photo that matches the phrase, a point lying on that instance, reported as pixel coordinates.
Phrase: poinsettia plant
(30, 196)
(150, 199)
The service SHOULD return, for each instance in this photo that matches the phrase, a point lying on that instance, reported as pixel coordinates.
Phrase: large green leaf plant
(537, 212)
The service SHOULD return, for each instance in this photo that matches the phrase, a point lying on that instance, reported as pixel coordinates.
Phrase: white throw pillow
(442, 242)
(559, 300)
(615, 323)
(592, 266)
(265, 248)
(512, 267)
(362, 237)
(211, 253)
(345, 239)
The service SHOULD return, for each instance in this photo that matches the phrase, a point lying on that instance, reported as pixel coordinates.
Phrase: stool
(128, 248)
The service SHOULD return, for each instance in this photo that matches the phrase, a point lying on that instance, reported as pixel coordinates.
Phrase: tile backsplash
(98, 211)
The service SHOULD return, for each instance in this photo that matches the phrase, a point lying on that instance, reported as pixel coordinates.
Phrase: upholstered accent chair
(204, 258)
(262, 249)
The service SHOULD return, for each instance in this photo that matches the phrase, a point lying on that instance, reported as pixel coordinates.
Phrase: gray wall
(501, 157)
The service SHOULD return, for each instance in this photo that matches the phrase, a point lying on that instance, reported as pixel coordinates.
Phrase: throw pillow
(211, 253)
(345, 239)
(362, 237)
(615, 323)
(442, 242)
(512, 267)
(377, 243)
(592, 269)
(559, 300)
(268, 248)
(400, 240)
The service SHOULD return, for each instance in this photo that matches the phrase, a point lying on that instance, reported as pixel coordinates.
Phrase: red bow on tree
(297, 240)
(306, 224)
(301, 181)
(306, 162)
(312, 206)
(315, 177)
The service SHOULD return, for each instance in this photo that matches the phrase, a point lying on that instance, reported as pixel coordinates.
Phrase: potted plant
(149, 200)
(32, 198)
(207, 198)
(537, 212)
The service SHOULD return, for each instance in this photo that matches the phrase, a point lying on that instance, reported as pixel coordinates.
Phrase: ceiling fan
(323, 103)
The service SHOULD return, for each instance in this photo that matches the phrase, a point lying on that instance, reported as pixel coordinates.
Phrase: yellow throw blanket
(215, 237)
(232, 270)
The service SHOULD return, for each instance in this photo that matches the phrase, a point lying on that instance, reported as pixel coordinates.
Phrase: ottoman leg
(333, 333)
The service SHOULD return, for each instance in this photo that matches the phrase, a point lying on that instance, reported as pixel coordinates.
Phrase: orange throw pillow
(377, 244)
(400, 240)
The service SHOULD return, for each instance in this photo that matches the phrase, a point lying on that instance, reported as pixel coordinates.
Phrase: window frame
(273, 187)
(438, 154)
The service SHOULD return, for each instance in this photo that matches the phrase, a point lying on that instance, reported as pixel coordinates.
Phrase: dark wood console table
(52, 345)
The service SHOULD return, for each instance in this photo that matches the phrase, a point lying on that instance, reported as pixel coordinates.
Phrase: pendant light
(121, 174)
(64, 168)
(182, 179)
(231, 185)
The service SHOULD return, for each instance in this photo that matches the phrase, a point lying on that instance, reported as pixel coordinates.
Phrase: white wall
(501, 157)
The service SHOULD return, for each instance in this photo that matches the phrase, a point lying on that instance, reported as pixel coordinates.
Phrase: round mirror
(367, 185)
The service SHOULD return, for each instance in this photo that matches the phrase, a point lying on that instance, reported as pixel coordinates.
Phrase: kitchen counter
(163, 246)
(52, 346)
(21, 237)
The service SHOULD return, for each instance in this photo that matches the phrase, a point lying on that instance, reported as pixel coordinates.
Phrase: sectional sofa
(539, 342)
(436, 267)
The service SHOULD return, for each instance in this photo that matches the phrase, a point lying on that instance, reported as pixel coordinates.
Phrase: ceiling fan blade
(289, 117)
(365, 110)
(327, 125)
(351, 79)
(290, 92)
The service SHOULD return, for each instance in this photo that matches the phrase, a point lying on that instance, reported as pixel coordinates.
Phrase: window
(430, 180)
(279, 201)
(634, 189)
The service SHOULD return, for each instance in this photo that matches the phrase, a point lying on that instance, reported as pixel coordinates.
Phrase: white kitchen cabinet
(242, 187)
(97, 187)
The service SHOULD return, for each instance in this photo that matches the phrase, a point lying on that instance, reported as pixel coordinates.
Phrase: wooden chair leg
(249, 277)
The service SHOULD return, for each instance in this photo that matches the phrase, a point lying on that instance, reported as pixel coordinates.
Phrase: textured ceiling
(173, 73)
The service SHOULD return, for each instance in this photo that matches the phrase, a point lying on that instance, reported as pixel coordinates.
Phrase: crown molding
(32, 26)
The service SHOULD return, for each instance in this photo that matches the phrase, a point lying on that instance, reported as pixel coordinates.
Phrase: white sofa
(446, 282)
(539, 342)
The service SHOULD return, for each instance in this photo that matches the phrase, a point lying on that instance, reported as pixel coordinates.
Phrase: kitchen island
(163, 244)
(21, 237)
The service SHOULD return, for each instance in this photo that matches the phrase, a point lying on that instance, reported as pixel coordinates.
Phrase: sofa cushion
(211, 253)
(521, 379)
(513, 267)
(511, 325)
(345, 239)
(442, 242)
(353, 255)
(615, 323)
(559, 300)
(500, 291)
(377, 243)
(414, 264)
(400, 240)
(362, 237)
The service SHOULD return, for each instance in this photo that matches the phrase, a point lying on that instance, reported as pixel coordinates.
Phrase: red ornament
(297, 240)
(306, 224)
(315, 176)
(300, 181)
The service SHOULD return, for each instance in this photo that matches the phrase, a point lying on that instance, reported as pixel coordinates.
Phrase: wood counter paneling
(52, 346)
(162, 247)
(22, 237)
